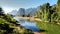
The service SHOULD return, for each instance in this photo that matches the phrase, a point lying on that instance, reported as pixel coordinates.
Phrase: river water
(28, 24)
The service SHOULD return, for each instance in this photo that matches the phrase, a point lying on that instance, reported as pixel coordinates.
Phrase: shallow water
(27, 24)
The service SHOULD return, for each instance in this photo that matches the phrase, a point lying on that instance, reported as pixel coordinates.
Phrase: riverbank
(50, 28)
(32, 18)
(39, 32)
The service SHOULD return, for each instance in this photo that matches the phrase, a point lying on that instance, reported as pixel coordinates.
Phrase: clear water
(27, 24)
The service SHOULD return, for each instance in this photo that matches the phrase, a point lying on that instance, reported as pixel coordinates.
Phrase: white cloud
(7, 10)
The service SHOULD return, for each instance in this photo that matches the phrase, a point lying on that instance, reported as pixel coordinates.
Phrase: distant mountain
(21, 11)
(31, 11)
(13, 12)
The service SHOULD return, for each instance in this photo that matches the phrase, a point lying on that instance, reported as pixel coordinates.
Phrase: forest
(50, 14)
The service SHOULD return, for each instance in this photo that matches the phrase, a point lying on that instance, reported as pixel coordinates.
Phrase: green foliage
(47, 12)
(58, 2)
(43, 11)
(51, 13)
(58, 9)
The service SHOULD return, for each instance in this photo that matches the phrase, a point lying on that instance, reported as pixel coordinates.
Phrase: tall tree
(58, 9)
(1, 11)
(43, 11)
(47, 12)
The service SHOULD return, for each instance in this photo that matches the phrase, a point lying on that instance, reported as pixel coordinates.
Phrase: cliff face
(21, 12)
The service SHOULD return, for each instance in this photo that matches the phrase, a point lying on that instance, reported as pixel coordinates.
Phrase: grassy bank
(49, 27)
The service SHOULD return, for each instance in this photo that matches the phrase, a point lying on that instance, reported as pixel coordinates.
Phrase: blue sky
(9, 5)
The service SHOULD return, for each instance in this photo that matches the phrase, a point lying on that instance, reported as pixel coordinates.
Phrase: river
(28, 24)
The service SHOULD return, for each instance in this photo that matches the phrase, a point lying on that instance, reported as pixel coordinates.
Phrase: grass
(49, 27)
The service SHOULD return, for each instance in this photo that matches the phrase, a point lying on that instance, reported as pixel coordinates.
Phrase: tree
(1, 11)
(58, 9)
(47, 12)
(43, 11)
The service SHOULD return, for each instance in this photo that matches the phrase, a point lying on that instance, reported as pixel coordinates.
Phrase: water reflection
(27, 24)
